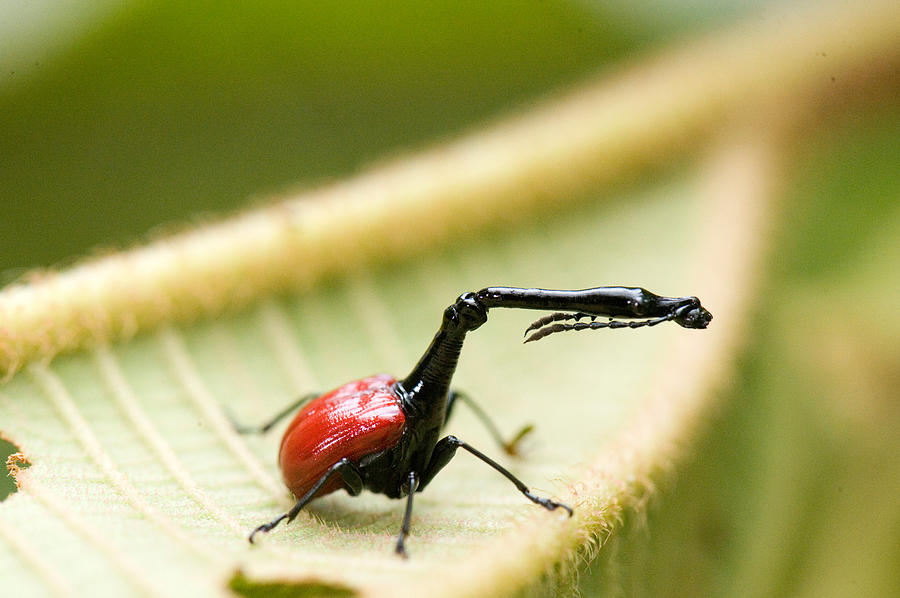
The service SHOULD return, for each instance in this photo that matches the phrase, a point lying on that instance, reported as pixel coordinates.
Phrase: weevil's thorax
(425, 405)
(425, 411)
(387, 472)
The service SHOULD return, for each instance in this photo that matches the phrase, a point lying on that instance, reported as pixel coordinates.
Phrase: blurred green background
(120, 120)
(147, 113)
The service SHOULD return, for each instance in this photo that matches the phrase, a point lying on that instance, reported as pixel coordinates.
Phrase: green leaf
(122, 367)
(136, 469)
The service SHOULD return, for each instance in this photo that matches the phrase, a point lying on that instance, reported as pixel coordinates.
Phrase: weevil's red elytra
(351, 421)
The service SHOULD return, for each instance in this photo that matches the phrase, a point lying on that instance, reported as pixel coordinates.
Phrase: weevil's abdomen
(352, 421)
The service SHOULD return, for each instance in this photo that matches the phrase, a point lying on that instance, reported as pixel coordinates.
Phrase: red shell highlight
(352, 421)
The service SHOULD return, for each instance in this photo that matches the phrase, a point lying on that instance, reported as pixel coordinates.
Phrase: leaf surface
(125, 366)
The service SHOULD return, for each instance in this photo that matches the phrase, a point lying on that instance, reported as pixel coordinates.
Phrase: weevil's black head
(693, 315)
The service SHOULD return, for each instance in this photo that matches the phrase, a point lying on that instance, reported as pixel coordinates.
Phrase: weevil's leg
(511, 446)
(445, 449)
(412, 482)
(352, 482)
(262, 429)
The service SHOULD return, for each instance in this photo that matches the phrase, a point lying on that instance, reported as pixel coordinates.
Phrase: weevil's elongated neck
(424, 391)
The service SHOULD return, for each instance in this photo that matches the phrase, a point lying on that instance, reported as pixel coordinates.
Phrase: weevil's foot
(551, 505)
(511, 448)
(235, 425)
(266, 527)
(262, 528)
(400, 550)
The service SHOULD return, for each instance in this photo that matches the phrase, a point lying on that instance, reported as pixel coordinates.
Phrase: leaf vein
(176, 353)
(59, 396)
(128, 402)
(376, 319)
(118, 557)
(290, 355)
(30, 555)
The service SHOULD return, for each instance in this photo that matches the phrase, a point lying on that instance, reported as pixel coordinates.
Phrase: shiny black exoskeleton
(415, 410)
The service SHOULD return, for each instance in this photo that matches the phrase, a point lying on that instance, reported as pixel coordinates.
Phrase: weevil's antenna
(556, 317)
(545, 328)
